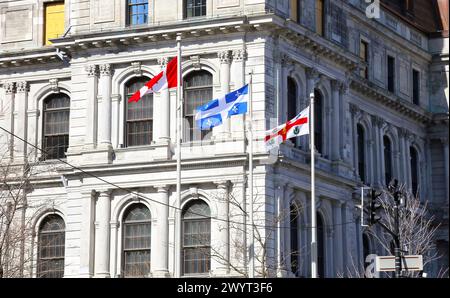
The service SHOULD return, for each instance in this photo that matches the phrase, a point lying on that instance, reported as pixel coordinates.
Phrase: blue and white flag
(214, 112)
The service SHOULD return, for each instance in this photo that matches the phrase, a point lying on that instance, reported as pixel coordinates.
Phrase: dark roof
(428, 16)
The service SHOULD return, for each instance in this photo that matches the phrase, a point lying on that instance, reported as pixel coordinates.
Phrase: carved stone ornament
(196, 62)
(9, 87)
(92, 70)
(224, 57)
(105, 70)
(21, 87)
(312, 73)
(239, 55)
(162, 61)
(136, 68)
(354, 109)
(54, 85)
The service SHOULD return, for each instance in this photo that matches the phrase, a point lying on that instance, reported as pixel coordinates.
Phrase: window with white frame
(194, 8)
(138, 115)
(136, 239)
(198, 91)
(51, 247)
(137, 12)
(196, 238)
(56, 126)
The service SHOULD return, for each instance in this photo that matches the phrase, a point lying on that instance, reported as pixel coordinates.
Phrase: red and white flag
(166, 79)
(298, 126)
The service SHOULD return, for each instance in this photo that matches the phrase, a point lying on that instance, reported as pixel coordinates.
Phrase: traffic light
(373, 207)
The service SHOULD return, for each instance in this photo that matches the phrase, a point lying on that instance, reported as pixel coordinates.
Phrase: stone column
(338, 238)
(403, 177)
(161, 111)
(160, 255)
(222, 237)
(239, 56)
(377, 151)
(312, 76)
(20, 120)
(104, 111)
(351, 253)
(225, 61)
(446, 161)
(8, 110)
(87, 234)
(408, 160)
(279, 234)
(284, 216)
(346, 128)
(354, 110)
(115, 116)
(336, 123)
(90, 141)
(102, 229)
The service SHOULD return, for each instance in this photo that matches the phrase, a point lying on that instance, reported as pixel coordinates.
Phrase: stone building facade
(381, 85)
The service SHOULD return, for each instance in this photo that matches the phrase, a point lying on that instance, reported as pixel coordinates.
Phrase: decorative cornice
(91, 70)
(105, 70)
(390, 101)
(224, 57)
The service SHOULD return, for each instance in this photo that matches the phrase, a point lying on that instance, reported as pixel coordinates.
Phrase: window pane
(196, 237)
(139, 115)
(56, 126)
(197, 92)
(51, 246)
(136, 241)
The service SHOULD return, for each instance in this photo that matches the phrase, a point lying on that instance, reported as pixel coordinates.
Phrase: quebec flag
(213, 113)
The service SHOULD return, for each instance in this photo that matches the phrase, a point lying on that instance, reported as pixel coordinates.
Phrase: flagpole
(313, 191)
(250, 165)
(177, 246)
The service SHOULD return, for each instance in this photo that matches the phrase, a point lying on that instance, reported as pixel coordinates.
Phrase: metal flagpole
(313, 191)
(177, 246)
(250, 184)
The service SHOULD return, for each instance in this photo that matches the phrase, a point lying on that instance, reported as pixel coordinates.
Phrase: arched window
(56, 126)
(414, 169)
(292, 102)
(196, 237)
(295, 243)
(361, 153)
(318, 120)
(320, 246)
(138, 115)
(197, 92)
(387, 160)
(51, 244)
(137, 12)
(194, 8)
(136, 240)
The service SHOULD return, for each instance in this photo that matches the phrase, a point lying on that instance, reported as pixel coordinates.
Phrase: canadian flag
(298, 126)
(166, 79)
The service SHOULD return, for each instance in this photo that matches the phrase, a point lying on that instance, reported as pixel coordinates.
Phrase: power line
(153, 200)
